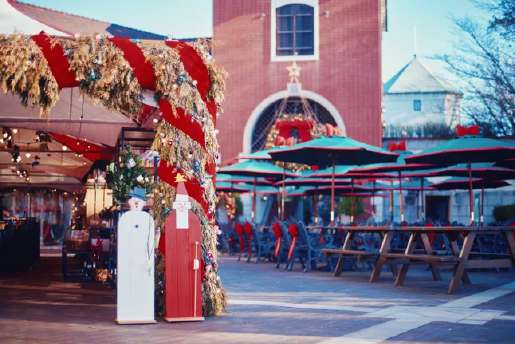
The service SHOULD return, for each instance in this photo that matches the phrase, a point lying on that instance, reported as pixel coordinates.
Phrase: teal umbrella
(221, 177)
(230, 187)
(456, 183)
(466, 150)
(259, 155)
(256, 169)
(477, 170)
(336, 150)
(303, 181)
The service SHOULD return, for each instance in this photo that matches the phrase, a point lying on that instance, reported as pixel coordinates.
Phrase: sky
(430, 19)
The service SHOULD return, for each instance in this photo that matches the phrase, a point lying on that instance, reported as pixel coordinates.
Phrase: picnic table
(459, 258)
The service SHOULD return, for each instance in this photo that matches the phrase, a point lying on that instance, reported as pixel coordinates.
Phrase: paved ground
(271, 306)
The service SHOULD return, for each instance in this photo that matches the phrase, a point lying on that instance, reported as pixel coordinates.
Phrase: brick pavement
(266, 306)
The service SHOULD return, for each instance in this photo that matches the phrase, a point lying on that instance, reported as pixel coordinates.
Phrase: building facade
(337, 45)
(421, 99)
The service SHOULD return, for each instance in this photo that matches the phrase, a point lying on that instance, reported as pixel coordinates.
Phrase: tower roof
(421, 75)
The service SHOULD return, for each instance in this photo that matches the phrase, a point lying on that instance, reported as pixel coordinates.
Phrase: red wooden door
(183, 292)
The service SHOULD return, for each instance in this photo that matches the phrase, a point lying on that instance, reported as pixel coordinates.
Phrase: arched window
(294, 30)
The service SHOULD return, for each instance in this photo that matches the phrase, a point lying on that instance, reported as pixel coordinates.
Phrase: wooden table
(459, 258)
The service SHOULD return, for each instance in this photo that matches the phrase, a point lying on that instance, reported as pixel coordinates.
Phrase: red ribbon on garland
(142, 68)
(194, 65)
(57, 62)
(183, 122)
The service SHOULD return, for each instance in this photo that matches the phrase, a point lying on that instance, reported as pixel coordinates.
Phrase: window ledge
(287, 58)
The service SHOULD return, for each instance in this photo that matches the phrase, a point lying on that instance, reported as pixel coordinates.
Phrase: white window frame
(316, 18)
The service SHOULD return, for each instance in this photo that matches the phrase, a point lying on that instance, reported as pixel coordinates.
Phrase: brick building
(336, 43)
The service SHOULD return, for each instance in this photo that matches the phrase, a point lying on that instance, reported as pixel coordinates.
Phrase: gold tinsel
(24, 71)
(175, 85)
(104, 74)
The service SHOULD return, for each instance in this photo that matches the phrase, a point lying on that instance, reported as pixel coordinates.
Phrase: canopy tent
(13, 20)
(62, 162)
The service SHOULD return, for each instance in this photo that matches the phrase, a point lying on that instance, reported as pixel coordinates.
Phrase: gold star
(294, 72)
(179, 177)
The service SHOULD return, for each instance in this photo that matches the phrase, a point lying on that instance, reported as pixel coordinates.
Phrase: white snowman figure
(135, 279)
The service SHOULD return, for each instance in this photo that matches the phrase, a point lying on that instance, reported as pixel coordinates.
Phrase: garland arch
(115, 72)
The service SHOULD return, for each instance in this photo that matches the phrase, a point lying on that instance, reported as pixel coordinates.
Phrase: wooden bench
(341, 251)
(428, 258)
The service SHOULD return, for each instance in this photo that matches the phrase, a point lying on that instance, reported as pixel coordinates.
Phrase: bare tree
(483, 59)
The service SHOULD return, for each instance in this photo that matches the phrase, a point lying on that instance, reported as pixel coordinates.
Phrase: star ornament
(179, 177)
(294, 72)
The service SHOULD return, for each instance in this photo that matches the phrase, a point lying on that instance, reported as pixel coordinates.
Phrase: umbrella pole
(471, 195)
(352, 201)
(332, 193)
(315, 208)
(481, 218)
(253, 214)
(373, 200)
(401, 201)
(421, 199)
(391, 202)
(282, 196)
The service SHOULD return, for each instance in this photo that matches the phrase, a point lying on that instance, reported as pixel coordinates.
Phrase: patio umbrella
(332, 151)
(230, 187)
(305, 181)
(466, 149)
(221, 177)
(398, 167)
(457, 183)
(256, 169)
(508, 163)
(477, 170)
(259, 155)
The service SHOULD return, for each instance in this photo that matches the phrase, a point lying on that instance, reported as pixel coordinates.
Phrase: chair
(295, 248)
(248, 237)
(262, 242)
(282, 242)
(238, 229)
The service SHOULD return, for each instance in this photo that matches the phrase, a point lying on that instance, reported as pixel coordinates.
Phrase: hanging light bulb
(15, 131)
(65, 148)
(27, 155)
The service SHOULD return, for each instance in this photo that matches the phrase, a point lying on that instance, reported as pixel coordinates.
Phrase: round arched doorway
(261, 120)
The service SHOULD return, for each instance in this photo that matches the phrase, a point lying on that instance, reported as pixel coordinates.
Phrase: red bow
(472, 130)
(397, 146)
